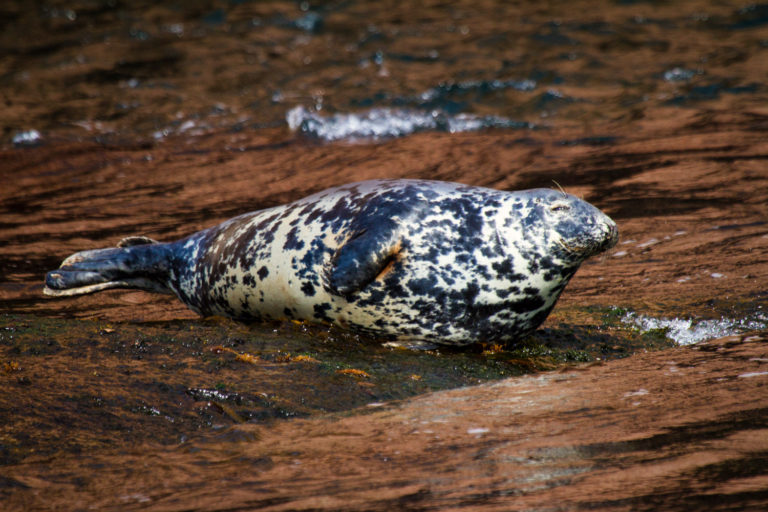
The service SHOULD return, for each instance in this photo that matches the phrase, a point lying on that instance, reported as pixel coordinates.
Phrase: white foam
(686, 331)
(28, 137)
(379, 123)
(749, 375)
(679, 74)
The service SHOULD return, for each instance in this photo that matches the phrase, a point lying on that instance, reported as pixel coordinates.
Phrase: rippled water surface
(163, 118)
(128, 70)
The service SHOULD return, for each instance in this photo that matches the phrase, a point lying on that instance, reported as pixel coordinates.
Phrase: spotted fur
(405, 260)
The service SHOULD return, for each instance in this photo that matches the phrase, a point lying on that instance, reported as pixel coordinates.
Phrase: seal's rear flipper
(130, 241)
(141, 263)
(138, 284)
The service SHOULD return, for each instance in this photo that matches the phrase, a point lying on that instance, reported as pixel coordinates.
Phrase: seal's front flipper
(411, 345)
(141, 263)
(367, 255)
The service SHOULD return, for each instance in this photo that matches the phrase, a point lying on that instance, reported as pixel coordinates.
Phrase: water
(162, 119)
(223, 65)
(387, 123)
(686, 331)
(27, 138)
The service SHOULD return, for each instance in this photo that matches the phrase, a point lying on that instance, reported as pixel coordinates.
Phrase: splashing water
(380, 123)
(27, 138)
(687, 331)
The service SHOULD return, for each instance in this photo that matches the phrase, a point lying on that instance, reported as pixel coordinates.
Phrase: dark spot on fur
(470, 292)
(292, 241)
(308, 289)
(311, 213)
(424, 286)
(321, 312)
(527, 304)
(263, 273)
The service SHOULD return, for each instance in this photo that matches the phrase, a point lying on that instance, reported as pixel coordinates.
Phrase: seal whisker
(561, 189)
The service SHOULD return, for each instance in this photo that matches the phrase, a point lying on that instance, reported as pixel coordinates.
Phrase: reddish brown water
(164, 119)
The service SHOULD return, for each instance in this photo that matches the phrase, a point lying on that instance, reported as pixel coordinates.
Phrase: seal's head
(580, 229)
(567, 227)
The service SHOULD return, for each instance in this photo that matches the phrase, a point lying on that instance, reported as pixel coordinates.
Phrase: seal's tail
(137, 262)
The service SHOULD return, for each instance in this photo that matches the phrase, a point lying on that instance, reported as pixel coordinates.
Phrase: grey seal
(409, 261)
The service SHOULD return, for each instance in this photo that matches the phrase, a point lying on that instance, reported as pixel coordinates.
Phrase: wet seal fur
(410, 261)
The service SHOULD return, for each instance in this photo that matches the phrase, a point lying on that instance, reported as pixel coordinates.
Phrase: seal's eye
(560, 208)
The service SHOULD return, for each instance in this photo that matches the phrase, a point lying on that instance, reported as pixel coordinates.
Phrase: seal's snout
(608, 234)
(612, 237)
